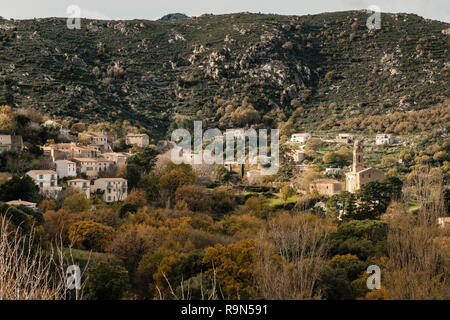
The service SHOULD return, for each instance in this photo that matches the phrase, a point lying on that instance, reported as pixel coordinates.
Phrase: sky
(154, 9)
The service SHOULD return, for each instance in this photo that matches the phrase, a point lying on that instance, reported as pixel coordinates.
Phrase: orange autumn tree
(232, 266)
(90, 235)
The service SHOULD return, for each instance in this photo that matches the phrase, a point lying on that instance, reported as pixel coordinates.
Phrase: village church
(360, 174)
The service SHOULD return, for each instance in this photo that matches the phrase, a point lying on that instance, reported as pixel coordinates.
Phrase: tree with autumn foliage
(90, 235)
(233, 267)
(175, 176)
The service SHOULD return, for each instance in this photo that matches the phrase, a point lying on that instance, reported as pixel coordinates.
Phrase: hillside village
(86, 167)
(87, 164)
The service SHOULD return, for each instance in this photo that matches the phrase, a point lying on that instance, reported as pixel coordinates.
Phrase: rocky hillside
(238, 69)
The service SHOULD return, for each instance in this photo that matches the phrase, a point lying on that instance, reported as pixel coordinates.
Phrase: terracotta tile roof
(318, 181)
(42, 172)
(78, 180)
(136, 134)
(84, 148)
(85, 159)
(66, 161)
(91, 160)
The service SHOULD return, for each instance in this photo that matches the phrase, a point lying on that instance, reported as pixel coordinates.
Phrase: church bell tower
(358, 162)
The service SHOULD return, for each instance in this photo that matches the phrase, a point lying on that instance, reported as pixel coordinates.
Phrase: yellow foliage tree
(233, 267)
(90, 235)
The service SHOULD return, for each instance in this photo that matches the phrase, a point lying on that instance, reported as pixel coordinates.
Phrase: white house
(344, 138)
(300, 137)
(83, 184)
(66, 168)
(46, 180)
(114, 189)
(384, 139)
(333, 171)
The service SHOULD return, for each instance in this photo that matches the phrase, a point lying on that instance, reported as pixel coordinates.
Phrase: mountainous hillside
(230, 70)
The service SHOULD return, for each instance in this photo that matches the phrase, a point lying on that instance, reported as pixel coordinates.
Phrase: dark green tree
(342, 205)
(107, 281)
(133, 175)
(18, 187)
(364, 238)
(149, 184)
(393, 187)
(222, 175)
(144, 159)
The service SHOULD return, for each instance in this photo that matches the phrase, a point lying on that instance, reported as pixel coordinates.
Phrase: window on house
(41, 176)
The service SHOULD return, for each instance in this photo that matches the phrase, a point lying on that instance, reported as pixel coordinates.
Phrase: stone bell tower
(358, 160)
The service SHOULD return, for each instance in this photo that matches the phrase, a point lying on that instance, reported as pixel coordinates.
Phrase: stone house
(9, 142)
(298, 155)
(94, 137)
(326, 187)
(139, 140)
(114, 189)
(119, 158)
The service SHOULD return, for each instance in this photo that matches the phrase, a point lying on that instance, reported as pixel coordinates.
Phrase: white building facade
(47, 181)
(300, 137)
(66, 168)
